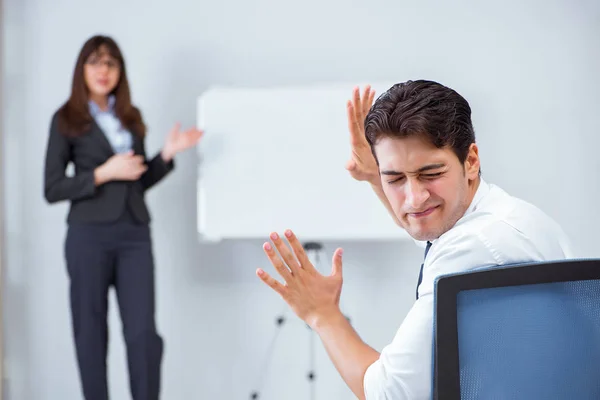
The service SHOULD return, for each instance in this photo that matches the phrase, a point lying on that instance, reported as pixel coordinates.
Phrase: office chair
(528, 331)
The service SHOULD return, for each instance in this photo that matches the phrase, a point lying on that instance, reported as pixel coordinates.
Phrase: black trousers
(100, 256)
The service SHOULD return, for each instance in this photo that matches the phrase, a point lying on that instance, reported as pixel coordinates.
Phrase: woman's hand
(120, 167)
(177, 141)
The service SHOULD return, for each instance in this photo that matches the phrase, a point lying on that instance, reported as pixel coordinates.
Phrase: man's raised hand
(361, 165)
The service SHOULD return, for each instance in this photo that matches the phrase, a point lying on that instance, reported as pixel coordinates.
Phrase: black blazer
(105, 203)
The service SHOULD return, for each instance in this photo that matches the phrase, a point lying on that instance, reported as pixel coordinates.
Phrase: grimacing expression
(101, 73)
(427, 187)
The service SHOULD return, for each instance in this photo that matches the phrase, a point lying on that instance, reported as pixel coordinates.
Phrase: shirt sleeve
(404, 368)
(403, 371)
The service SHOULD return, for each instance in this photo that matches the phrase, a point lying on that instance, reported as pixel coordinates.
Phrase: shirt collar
(95, 109)
(482, 190)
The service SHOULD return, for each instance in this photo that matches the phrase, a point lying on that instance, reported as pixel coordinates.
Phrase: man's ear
(472, 165)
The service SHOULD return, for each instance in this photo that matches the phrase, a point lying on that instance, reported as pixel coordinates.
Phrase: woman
(108, 240)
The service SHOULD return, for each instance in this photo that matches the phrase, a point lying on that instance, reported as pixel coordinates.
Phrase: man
(417, 150)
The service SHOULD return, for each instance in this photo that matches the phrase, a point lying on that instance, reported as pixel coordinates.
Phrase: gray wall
(529, 70)
(1, 190)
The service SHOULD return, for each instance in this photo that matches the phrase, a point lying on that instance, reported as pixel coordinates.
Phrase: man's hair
(422, 108)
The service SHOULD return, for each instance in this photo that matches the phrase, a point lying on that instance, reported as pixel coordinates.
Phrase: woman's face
(101, 72)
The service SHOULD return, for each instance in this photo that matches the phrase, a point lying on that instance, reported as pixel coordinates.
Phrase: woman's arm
(162, 163)
(58, 186)
(158, 168)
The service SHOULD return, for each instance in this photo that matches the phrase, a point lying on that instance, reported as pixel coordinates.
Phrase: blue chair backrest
(528, 340)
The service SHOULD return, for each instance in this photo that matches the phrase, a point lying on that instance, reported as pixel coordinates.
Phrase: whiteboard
(273, 158)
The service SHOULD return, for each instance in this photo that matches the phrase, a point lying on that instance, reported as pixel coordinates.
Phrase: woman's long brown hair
(74, 117)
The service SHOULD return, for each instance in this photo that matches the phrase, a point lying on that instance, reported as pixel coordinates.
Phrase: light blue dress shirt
(119, 137)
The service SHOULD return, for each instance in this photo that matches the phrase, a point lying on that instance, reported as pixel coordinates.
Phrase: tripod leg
(312, 364)
(279, 322)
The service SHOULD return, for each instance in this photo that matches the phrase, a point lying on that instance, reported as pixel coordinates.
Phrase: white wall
(2, 208)
(534, 64)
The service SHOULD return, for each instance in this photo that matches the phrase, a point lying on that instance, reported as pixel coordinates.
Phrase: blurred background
(528, 68)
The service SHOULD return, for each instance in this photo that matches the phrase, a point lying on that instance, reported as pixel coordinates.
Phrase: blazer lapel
(138, 145)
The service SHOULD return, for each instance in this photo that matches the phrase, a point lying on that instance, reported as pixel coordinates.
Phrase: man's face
(428, 188)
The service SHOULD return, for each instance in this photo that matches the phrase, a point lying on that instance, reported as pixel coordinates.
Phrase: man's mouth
(423, 213)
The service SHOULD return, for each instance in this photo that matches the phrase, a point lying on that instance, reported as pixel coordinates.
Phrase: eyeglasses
(97, 63)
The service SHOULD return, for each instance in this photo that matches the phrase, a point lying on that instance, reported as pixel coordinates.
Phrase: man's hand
(362, 165)
(313, 297)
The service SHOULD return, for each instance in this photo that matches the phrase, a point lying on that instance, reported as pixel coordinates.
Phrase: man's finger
(356, 134)
(371, 98)
(285, 252)
(365, 100)
(336, 262)
(357, 104)
(351, 165)
(272, 282)
(299, 251)
(277, 263)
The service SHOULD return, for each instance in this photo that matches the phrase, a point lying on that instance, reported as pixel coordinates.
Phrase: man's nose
(416, 194)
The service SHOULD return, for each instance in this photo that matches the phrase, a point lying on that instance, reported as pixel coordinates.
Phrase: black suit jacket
(89, 203)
